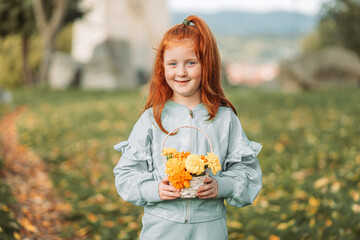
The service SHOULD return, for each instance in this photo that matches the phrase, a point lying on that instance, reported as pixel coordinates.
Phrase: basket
(197, 181)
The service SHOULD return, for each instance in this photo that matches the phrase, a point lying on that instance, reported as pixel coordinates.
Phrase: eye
(172, 64)
(191, 63)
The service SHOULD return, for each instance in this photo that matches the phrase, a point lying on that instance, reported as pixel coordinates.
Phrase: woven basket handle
(175, 129)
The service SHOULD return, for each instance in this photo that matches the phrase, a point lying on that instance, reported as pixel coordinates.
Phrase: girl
(186, 90)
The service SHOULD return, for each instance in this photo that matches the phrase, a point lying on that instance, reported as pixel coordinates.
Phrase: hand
(210, 190)
(167, 192)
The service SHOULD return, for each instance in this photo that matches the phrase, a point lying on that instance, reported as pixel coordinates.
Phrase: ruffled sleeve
(134, 178)
(135, 153)
(241, 178)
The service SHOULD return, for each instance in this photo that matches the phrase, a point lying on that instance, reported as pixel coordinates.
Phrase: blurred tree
(24, 17)
(50, 17)
(16, 17)
(339, 24)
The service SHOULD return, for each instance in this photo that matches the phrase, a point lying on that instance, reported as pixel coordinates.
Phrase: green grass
(310, 160)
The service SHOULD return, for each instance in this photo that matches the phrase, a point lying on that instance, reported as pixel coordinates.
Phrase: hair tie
(186, 22)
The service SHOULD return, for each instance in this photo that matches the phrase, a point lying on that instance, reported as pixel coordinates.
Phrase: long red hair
(212, 94)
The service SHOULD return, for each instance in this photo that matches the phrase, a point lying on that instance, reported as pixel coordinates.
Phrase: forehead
(188, 43)
(182, 49)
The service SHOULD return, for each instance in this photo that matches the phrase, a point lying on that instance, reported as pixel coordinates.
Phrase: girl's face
(183, 73)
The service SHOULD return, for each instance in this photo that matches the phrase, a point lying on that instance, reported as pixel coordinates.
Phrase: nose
(181, 71)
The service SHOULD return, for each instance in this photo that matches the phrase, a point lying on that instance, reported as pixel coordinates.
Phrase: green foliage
(310, 160)
(344, 15)
(10, 66)
(10, 56)
(73, 10)
(313, 41)
(16, 17)
(10, 60)
(64, 39)
(339, 24)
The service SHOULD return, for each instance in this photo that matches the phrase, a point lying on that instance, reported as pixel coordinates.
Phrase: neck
(190, 103)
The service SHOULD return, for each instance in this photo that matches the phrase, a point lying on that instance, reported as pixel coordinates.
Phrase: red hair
(212, 94)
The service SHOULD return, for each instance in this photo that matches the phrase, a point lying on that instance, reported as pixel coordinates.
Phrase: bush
(11, 60)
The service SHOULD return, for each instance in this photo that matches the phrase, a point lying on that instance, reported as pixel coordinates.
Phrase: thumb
(165, 180)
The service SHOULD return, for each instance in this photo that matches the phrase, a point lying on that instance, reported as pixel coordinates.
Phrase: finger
(165, 195)
(213, 193)
(208, 196)
(205, 193)
(207, 186)
(168, 188)
(165, 182)
(208, 180)
(168, 198)
(208, 191)
(171, 194)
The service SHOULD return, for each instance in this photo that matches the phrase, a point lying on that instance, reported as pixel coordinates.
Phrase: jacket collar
(172, 104)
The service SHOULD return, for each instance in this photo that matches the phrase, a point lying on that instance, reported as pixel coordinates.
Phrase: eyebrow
(189, 59)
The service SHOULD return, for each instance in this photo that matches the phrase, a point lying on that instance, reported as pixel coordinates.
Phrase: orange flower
(180, 165)
(175, 168)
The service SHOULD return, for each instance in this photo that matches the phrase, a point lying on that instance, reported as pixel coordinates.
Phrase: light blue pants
(156, 228)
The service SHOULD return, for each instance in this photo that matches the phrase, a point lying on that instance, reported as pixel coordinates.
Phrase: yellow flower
(213, 162)
(168, 152)
(194, 164)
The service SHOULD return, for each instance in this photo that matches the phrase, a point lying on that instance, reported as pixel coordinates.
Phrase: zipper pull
(191, 113)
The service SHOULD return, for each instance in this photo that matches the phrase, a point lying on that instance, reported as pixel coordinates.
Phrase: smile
(182, 81)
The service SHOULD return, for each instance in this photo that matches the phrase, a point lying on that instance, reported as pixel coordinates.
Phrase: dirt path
(38, 210)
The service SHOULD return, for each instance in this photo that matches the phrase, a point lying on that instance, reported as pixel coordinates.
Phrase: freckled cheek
(196, 74)
(169, 75)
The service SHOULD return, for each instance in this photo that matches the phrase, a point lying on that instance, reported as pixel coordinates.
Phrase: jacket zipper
(188, 201)
(190, 130)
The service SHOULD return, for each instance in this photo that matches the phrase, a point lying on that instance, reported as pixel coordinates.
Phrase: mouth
(182, 81)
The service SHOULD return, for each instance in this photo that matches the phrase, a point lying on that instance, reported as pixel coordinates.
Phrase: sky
(310, 7)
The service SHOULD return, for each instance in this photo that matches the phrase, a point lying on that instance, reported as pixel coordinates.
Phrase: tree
(16, 17)
(49, 25)
(49, 28)
(25, 17)
(339, 24)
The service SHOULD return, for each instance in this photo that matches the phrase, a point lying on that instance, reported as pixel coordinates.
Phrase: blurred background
(71, 73)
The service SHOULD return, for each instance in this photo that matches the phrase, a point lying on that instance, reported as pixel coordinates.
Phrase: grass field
(310, 160)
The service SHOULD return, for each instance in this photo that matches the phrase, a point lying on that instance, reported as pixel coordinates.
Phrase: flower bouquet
(188, 171)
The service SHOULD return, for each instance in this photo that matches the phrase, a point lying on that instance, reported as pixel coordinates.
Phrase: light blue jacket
(141, 167)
